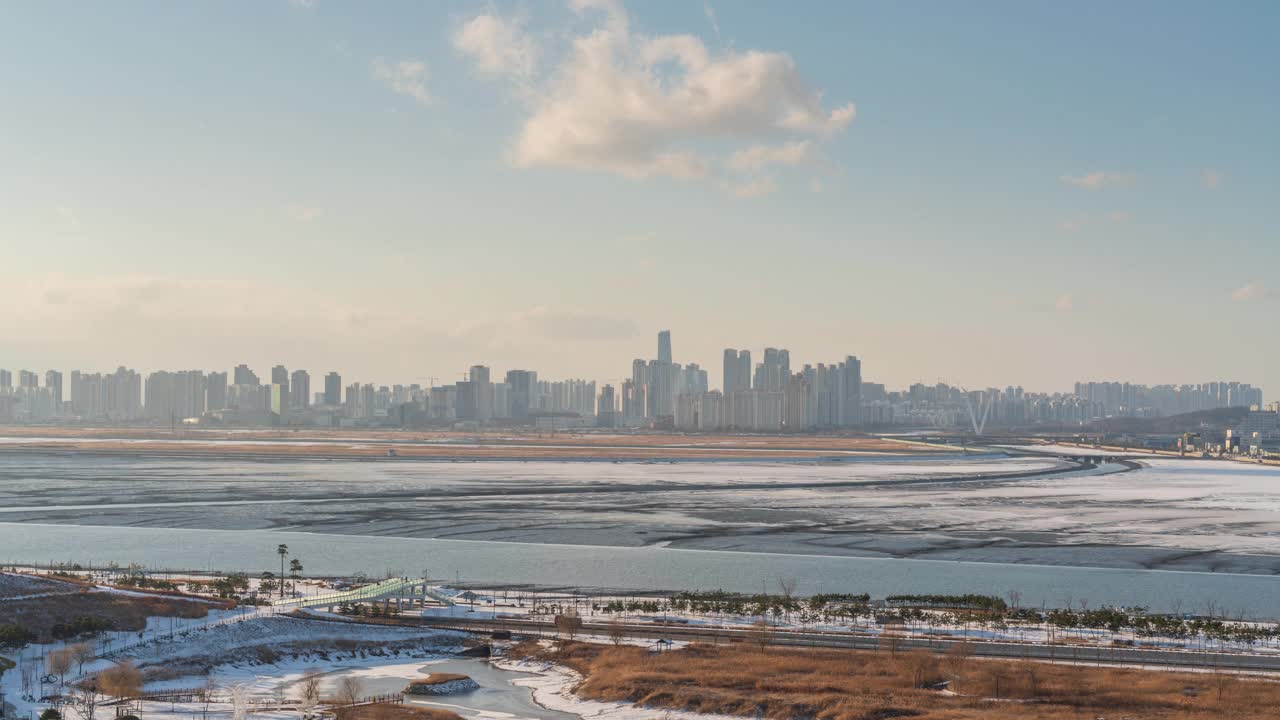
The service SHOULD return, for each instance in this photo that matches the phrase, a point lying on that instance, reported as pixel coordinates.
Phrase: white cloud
(406, 77)
(497, 46)
(1097, 180)
(758, 157)
(1248, 292)
(1211, 178)
(642, 106)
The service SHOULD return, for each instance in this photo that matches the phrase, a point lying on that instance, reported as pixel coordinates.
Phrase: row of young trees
(941, 611)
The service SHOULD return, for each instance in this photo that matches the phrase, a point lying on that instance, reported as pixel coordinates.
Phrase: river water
(987, 525)
(638, 569)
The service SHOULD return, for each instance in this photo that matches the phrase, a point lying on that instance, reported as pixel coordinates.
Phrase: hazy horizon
(1008, 194)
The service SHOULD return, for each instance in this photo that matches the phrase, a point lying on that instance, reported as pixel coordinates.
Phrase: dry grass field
(861, 685)
(122, 612)
(312, 442)
(438, 679)
(393, 712)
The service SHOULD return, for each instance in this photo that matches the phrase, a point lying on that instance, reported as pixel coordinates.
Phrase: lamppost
(282, 550)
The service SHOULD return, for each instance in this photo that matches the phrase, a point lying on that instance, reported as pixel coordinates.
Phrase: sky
(983, 193)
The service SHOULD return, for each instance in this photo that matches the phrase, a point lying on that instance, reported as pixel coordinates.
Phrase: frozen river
(982, 524)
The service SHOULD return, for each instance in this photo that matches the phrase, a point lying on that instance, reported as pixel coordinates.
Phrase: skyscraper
(215, 391)
(851, 381)
(6, 380)
(772, 375)
(53, 381)
(280, 376)
(664, 346)
(524, 391)
(300, 390)
(28, 379)
(483, 389)
(606, 408)
(244, 376)
(333, 389)
(278, 403)
(737, 371)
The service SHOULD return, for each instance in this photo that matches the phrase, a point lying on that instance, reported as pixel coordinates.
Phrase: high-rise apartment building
(215, 391)
(664, 347)
(173, 396)
(300, 390)
(737, 371)
(6, 380)
(28, 379)
(851, 385)
(478, 375)
(244, 376)
(523, 392)
(280, 376)
(606, 408)
(53, 381)
(278, 403)
(333, 389)
(772, 374)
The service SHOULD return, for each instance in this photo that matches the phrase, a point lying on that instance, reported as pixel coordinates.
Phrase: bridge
(402, 592)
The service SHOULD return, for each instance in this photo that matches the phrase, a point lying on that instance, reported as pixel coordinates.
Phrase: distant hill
(1174, 424)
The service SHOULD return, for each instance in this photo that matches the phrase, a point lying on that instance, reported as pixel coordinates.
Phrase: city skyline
(662, 392)
(737, 371)
(394, 194)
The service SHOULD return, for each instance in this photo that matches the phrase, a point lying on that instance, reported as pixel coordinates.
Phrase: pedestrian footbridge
(404, 593)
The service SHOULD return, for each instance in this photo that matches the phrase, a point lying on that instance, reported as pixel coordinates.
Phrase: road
(1118, 655)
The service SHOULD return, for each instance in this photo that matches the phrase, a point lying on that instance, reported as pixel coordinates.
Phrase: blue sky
(1027, 193)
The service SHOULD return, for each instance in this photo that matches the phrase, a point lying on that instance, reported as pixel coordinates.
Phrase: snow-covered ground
(553, 685)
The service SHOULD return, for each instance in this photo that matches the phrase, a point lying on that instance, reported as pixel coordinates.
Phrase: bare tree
(996, 672)
(59, 663)
(890, 640)
(85, 699)
(787, 586)
(83, 653)
(761, 634)
(121, 681)
(349, 690)
(957, 660)
(920, 665)
(205, 694)
(1032, 672)
(240, 701)
(1222, 682)
(311, 689)
(568, 623)
(617, 631)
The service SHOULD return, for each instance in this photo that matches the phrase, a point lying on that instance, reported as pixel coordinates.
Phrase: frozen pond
(497, 697)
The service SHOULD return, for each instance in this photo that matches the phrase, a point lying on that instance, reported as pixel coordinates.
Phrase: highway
(1116, 655)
